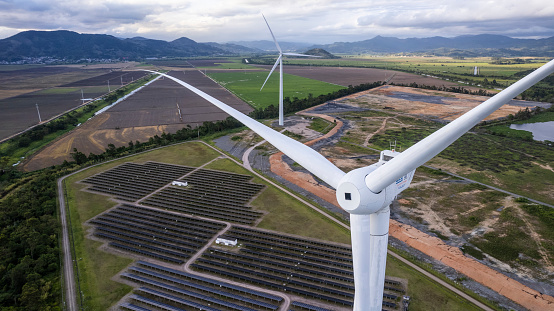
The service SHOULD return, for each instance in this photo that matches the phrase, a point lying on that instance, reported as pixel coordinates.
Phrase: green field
(246, 85)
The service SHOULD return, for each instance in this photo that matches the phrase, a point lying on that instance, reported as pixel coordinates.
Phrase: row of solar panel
(170, 223)
(296, 266)
(206, 289)
(287, 272)
(239, 187)
(296, 261)
(289, 281)
(230, 216)
(307, 306)
(262, 233)
(124, 219)
(288, 245)
(205, 299)
(265, 283)
(146, 253)
(178, 218)
(216, 283)
(192, 196)
(297, 255)
(141, 236)
(146, 231)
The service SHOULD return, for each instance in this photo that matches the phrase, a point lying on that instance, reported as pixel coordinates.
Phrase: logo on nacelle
(401, 182)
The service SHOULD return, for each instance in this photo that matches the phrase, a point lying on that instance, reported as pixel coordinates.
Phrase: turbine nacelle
(354, 196)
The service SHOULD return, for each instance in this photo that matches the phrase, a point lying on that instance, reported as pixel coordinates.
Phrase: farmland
(346, 76)
(55, 90)
(452, 69)
(143, 115)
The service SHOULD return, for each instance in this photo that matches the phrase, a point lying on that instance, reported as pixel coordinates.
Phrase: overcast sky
(311, 21)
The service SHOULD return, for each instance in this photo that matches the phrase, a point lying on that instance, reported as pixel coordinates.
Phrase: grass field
(426, 295)
(246, 85)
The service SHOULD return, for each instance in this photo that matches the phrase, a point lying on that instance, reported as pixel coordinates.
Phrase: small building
(226, 242)
(179, 183)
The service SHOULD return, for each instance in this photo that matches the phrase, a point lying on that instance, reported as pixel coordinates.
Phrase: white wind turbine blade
(433, 144)
(297, 54)
(272, 69)
(274, 40)
(310, 159)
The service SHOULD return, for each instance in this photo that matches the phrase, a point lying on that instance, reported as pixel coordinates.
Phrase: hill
(478, 45)
(70, 45)
(321, 53)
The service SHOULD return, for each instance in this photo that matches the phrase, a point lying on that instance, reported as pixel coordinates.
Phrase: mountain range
(479, 45)
(63, 44)
(70, 45)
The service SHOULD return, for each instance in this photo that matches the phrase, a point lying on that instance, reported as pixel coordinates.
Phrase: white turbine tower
(367, 192)
(280, 62)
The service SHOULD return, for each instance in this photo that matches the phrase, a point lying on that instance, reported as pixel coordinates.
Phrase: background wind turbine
(366, 193)
(83, 99)
(280, 62)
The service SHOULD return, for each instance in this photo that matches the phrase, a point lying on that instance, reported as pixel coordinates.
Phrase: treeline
(452, 89)
(30, 262)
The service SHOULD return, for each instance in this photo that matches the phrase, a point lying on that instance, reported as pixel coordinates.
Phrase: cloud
(317, 21)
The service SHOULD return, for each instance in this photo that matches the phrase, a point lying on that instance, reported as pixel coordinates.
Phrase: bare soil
(427, 103)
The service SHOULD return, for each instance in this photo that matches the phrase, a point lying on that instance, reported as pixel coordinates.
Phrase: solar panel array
(152, 233)
(131, 182)
(166, 288)
(213, 194)
(313, 269)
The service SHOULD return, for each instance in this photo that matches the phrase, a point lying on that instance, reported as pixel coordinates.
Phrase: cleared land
(151, 111)
(444, 106)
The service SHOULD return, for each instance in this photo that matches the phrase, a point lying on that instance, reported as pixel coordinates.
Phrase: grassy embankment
(505, 130)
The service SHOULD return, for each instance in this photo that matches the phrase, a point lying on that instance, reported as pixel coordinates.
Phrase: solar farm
(168, 218)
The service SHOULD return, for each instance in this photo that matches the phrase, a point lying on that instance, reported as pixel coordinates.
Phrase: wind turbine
(83, 99)
(366, 193)
(280, 62)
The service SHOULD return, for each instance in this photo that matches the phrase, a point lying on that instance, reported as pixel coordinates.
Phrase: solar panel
(211, 281)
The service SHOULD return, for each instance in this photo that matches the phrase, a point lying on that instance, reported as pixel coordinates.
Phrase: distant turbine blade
(303, 55)
(274, 40)
(310, 159)
(272, 69)
(433, 144)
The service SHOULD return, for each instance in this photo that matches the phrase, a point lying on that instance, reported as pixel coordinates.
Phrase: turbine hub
(355, 197)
